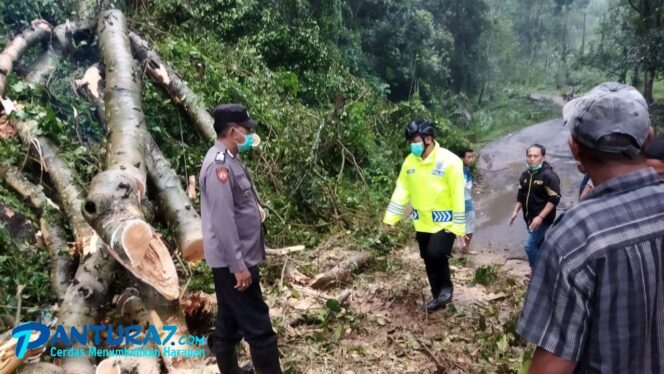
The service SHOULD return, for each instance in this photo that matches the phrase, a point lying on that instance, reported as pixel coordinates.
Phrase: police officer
(432, 180)
(233, 244)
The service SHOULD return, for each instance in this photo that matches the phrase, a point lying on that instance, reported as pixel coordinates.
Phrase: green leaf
(333, 305)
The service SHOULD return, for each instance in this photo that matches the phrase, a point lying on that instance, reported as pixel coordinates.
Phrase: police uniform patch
(222, 175)
(220, 158)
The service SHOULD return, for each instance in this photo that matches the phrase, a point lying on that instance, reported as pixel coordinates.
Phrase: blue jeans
(534, 240)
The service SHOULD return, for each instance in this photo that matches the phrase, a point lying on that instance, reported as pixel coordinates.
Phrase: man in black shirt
(539, 193)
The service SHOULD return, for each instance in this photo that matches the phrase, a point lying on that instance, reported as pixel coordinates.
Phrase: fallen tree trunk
(147, 307)
(45, 65)
(341, 272)
(182, 218)
(52, 231)
(169, 80)
(113, 205)
(60, 266)
(37, 31)
(89, 288)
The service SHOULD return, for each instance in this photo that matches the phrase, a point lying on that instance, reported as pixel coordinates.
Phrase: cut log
(113, 205)
(341, 272)
(169, 80)
(13, 51)
(52, 231)
(147, 307)
(44, 66)
(183, 220)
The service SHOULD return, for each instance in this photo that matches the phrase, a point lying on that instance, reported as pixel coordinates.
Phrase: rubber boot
(266, 360)
(227, 358)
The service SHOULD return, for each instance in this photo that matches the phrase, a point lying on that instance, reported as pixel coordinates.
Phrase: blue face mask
(247, 145)
(535, 168)
(417, 149)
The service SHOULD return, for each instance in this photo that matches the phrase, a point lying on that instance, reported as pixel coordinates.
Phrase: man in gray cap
(233, 245)
(596, 299)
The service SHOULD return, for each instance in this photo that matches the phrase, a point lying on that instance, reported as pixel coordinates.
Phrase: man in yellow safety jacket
(432, 180)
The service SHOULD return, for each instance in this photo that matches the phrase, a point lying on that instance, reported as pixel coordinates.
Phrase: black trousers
(436, 250)
(241, 313)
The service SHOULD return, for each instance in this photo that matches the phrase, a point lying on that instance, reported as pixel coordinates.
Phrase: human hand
(389, 228)
(262, 213)
(511, 221)
(536, 223)
(243, 279)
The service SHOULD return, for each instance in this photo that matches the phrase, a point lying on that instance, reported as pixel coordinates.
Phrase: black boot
(444, 297)
(227, 361)
(266, 360)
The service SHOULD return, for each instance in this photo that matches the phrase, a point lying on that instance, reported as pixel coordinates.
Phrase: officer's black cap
(225, 114)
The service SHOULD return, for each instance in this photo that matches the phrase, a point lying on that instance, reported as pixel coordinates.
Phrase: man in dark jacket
(538, 196)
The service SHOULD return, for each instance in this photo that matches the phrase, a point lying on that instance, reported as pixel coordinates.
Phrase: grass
(508, 114)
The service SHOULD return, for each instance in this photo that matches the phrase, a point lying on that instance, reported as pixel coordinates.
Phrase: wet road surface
(500, 164)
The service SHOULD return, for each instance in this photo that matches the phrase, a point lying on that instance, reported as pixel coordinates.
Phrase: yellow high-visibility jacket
(435, 188)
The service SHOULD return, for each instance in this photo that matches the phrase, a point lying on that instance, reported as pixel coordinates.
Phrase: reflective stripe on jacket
(435, 189)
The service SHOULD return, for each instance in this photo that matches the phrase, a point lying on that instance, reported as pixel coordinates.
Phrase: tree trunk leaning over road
(113, 205)
(169, 80)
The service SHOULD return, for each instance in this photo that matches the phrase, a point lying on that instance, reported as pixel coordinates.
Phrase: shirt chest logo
(410, 171)
(439, 171)
(539, 182)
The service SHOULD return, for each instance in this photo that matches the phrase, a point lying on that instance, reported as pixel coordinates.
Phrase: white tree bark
(13, 51)
(113, 205)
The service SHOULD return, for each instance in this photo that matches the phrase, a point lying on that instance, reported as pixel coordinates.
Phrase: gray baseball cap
(610, 108)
